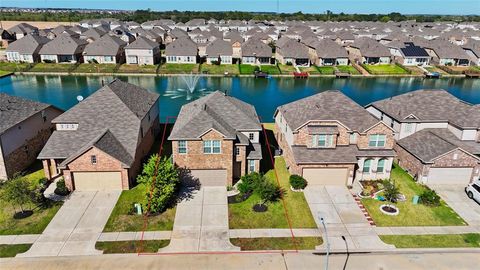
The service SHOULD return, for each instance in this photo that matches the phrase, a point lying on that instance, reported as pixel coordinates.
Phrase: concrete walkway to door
(342, 217)
(77, 225)
(201, 222)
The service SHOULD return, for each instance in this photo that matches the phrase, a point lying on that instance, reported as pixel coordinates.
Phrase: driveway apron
(77, 225)
(456, 198)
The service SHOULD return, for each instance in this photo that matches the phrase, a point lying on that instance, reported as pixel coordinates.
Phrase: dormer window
(323, 140)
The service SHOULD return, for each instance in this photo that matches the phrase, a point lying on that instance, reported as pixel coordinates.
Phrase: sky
(451, 7)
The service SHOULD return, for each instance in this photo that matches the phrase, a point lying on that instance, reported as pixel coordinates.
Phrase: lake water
(264, 94)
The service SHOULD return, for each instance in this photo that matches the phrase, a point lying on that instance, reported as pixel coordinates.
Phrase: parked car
(473, 191)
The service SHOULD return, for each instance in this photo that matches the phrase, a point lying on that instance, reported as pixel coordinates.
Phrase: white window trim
(186, 147)
(328, 141)
(211, 147)
(250, 167)
(377, 140)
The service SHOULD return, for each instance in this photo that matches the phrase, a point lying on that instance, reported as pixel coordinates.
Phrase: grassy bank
(433, 241)
(277, 243)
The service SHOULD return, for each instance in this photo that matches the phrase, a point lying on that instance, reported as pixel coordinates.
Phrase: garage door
(97, 180)
(326, 176)
(210, 177)
(449, 176)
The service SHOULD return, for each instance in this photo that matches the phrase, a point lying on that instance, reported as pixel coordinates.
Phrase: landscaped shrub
(430, 197)
(61, 189)
(48, 61)
(297, 182)
(390, 191)
(17, 192)
(250, 182)
(269, 192)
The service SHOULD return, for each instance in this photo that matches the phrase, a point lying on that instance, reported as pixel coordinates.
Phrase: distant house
(143, 52)
(182, 51)
(5, 38)
(25, 127)
(106, 50)
(369, 51)
(414, 55)
(26, 49)
(100, 143)
(289, 51)
(217, 139)
(22, 29)
(93, 34)
(472, 48)
(255, 52)
(219, 51)
(329, 53)
(63, 49)
(445, 53)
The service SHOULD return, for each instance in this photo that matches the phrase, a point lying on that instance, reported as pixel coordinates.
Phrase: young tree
(161, 179)
(17, 191)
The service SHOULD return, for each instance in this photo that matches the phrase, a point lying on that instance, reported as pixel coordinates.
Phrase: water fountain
(191, 91)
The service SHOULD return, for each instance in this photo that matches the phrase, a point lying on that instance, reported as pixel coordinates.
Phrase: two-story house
(142, 51)
(438, 135)
(99, 144)
(217, 138)
(25, 127)
(330, 140)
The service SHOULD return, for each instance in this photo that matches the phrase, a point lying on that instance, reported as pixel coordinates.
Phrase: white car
(473, 191)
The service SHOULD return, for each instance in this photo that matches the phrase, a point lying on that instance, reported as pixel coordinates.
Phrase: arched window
(381, 166)
(366, 165)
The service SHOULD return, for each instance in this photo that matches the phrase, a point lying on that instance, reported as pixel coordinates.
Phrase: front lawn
(146, 246)
(246, 69)
(241, 215)
(410, 214)
(96, 68)
(146, 69)
(52, 67)
(3, 73)
(178, 68)
(277, 243)
(123, 219)
(310, 70)
(385, 69)
(286, 69)
(219, 69)
(326, 70)
(34, 224)
(348, 69)
(7, 251)
(270, 69)
(433, 241)
(14, 67)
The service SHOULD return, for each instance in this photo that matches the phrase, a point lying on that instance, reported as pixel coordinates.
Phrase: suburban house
(143, 51)
(25, 127)
(26, 49)
(5, 37)
(330, 140)
(413, 55)
(329, 53)
(438, 135)
(63, 49)
(22, 29)
(447, 54)
(219, 51)
(255, 52)
(105, 50)
(369, 51)
(472, 48)
(182, 51)
(217, 138)
(292, 52)
(100, 143)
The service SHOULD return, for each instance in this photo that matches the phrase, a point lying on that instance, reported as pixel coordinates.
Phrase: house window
(323, 140)
(455, 156)
(381, 166)
(93, 159)
(408, 127)
(108, 58)
(251, 165)
(251, 136)
(182, 147)
(376, 140)
(353, 138)
(366, 166)
(237, 151)
(211, 147)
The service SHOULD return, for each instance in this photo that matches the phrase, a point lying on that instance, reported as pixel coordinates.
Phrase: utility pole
(327, 242)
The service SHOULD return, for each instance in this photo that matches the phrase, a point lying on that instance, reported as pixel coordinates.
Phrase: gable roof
(183, 46)
(219, 47)
(143, 43)
(106, 45)
(64, 44)
(217, 111)
(371, 48)
(293, 49)
(326, 48)
(29, 44)
(255, 47)
(330, 105)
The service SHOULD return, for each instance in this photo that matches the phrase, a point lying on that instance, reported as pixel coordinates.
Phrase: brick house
(438, 135)
(217, 138)
(331, 140)
(99, 144)
(25, 127)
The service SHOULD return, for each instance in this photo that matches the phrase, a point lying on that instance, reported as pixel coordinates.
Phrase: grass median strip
(7, 251)
(277, 243)
(148, 246)
(433, 241)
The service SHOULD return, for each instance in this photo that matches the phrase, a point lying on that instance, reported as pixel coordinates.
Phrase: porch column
(46, 169)
(54, 168)
(373, 168)
(359, 174)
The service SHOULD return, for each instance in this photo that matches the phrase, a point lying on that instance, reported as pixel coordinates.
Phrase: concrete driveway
(201, 222)
(76, 226)
(342, 217)
(456, 198)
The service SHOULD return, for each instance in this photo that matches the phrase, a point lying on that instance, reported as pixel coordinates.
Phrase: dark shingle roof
(219, 47)
(182, 47)
(143, 43)
(64, 44)
(29, 44)
(255, 47)
(106, 45)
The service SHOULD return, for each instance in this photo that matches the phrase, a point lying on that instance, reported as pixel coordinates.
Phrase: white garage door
(326, 176)
(210, 177)
(449, 176)
(97, 180)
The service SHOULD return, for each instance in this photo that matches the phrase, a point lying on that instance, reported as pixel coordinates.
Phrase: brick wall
(362, 141)
(409, 162)
(303, 138)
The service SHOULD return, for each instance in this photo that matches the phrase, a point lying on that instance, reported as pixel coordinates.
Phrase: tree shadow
(266, 162)
(189, 185)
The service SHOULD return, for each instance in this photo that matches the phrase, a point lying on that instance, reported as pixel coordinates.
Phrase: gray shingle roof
(293, 49)
(29, 44)
(118, 108)
(106, 45)
(64, 44)
(255, 47)
(430, 105)
(340, 154)
(22, 28)
(14, 110)
(326, 48)
(143, 43)
(328, 105)
(371, 48)
(219, 47)
(223, 113)
(181, 47)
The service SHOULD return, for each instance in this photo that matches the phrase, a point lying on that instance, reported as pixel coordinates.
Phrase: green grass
(277, 243)
(433, 241)
(219, 69)
(179, 68)
(52, 67)
(310, 70)
(96, 68)
(326, 70)
(3, 73)
(270, 69)
(7, 251)
(387, 69)
(246, 69)
(33, 224)
(410, 214)
(349, 69)
(145, 69)
(146, 246)
(14, 67)
(241, 215)
(122, 219)
(286, 69)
